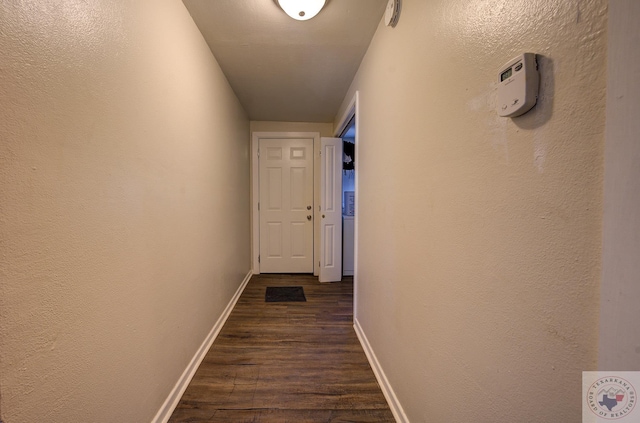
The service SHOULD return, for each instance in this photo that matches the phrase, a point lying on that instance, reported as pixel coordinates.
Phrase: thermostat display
(506, 74)
(518, 82)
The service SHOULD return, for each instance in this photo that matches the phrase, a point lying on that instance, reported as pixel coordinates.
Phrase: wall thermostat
(518, 82)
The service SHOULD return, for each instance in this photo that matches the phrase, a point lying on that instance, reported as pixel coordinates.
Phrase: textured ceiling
(282, 69)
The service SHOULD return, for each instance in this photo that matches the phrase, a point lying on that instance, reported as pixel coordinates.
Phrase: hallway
(286, 362)
(496, 258)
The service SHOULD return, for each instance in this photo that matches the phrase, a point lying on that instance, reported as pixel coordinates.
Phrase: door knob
(323, 216)
(308, 217)
(308, 207)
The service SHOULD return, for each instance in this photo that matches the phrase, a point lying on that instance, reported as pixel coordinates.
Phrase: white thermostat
(518, 82)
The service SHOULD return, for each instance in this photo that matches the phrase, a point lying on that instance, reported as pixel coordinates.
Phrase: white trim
(176, 393)
(387, 390)
(353, 110)
(349, 112)
(255, 193)
(255, 198)
(619, 266)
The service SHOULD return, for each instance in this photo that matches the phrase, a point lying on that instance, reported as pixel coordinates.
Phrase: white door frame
(255, 194)
(353, 110)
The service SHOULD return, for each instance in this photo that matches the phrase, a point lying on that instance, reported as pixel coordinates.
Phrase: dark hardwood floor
(286, 362)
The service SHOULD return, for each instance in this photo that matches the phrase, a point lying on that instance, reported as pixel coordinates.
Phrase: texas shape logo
(611, 397)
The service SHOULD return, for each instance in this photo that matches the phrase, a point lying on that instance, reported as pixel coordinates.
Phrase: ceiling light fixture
(301, 10)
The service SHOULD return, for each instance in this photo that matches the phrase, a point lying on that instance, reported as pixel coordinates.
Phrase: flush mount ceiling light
(301, 10)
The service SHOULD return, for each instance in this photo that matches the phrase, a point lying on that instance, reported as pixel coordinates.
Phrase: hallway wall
(480, 236)
(124, 219)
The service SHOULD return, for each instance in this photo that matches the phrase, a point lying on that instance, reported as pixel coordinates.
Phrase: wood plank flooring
(292, 362)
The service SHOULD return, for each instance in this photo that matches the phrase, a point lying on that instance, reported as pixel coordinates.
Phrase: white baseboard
(387, 390)
(176, 393)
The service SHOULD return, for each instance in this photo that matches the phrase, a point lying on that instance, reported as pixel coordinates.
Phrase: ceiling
(282, 69)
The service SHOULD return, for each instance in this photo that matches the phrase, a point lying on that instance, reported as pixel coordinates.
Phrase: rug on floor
(278, 294)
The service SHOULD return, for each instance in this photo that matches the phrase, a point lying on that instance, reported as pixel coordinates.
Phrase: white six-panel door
(331, 210)
(286, 205)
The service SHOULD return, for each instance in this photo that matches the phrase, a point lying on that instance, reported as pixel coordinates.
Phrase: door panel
(274, 187)
(286, 199)
(298, 189)
(329, 236)
(298, 237)
(331, 210)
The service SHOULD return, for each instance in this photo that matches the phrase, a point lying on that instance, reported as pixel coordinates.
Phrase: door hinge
(318, 264)
(258, 206)
(258, 153)
(258, 258)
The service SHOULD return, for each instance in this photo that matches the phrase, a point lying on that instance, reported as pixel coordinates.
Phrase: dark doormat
(276, 294)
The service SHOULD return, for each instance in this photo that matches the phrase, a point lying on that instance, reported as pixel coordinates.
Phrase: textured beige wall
(124, 219)
(479, 236)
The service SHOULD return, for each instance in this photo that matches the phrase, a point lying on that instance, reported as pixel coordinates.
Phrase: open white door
(331, 210)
